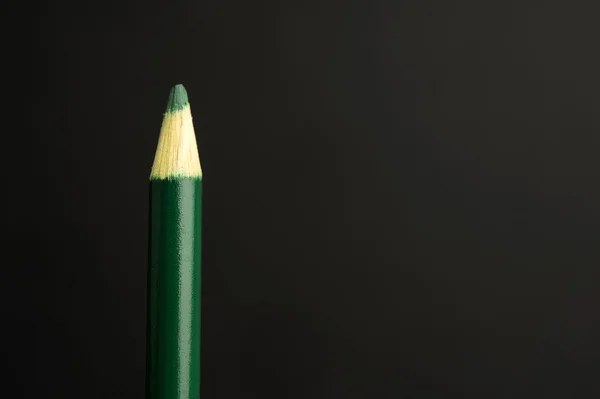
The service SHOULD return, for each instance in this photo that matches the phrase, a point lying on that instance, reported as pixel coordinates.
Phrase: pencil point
(178, 99)
(177, 152)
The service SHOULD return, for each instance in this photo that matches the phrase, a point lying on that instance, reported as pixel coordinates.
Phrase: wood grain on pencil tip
(177, 152)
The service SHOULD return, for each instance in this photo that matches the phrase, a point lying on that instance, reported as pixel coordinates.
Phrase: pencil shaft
(174, 289)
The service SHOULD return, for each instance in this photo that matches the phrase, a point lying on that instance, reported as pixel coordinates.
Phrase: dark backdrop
(401, 198)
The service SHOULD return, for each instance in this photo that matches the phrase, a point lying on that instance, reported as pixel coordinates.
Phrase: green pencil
(173, 339)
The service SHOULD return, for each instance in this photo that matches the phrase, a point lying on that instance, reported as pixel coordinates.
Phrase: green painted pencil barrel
(174, 289)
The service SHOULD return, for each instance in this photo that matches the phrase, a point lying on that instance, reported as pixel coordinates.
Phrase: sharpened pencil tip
(178, 99)
(177, 153)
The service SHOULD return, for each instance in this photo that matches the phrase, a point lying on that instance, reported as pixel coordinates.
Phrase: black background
(401, 198)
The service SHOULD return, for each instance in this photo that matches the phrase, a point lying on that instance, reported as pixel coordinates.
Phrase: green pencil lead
(178, 99)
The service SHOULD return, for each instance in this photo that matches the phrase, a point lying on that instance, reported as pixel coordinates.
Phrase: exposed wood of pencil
(177, 152)
(173, 355)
